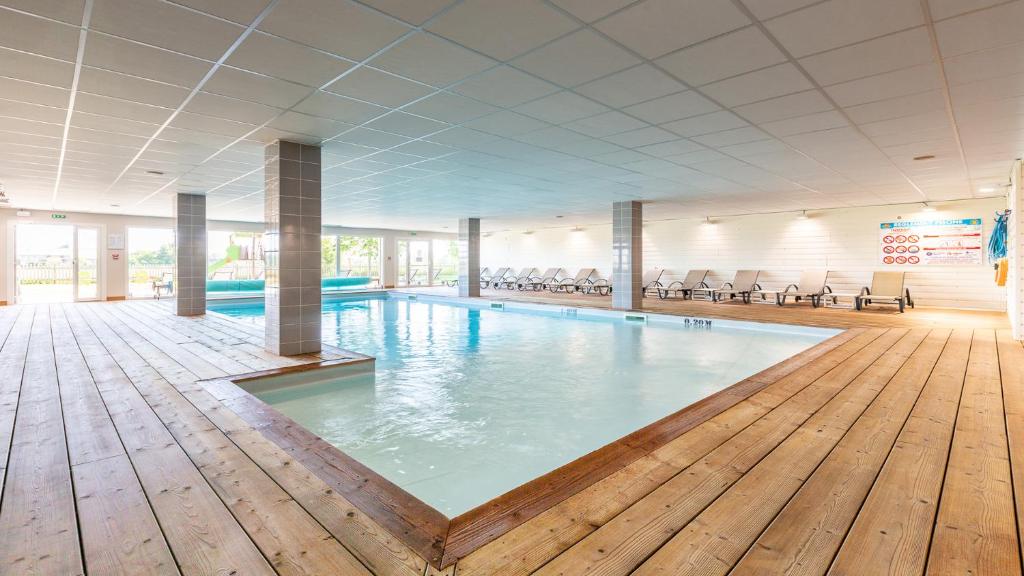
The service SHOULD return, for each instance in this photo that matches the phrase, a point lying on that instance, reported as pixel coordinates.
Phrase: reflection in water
(470, 403)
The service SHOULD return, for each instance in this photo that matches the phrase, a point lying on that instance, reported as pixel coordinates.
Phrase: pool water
(468, 402)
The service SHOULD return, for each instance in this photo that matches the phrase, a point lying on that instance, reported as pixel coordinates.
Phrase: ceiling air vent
(3, 195)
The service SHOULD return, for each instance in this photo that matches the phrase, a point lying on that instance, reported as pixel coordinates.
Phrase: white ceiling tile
(728, 137)
(760, 85)
(989, 28)
(116, 85)
(378, 88)
(69, 11)
(34, 93)
(809, 123)
(765, 9)
(605, 124)
(671, 148)
(272, 56)
(110, 53)
(505, 86)
(335, 107)
(673, 107)
(22, 66)
(506, 123)
(706, 123)
(36, 112)
(309, 125)
(985, 64)
(888, 85)
(240, 11)
(575, 59)
(729, 55)
(591, 10)
(340, 27)
(986, 90)
(406, 125)
(254, 87)
(637, 84)
(641, 137)
(220, 126)
(218, 106)
(656, 27)
(561, 107)
(412, 12)
(836, 23)
(897, 107)
(38, 36)
(502, 29)
(165, 25)
(460, 136)
(117, 108)
(901, 50)
(431, 60)
(942, 9)
(785, 107)
(451, 108)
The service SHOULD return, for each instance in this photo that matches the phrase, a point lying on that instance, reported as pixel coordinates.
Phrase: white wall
(115, 271)
(1015, 251)
(844, 241)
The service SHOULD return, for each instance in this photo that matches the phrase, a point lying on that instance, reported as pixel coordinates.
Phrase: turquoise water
(469, 403)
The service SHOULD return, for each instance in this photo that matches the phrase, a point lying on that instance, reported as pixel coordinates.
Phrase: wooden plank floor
(899, 451)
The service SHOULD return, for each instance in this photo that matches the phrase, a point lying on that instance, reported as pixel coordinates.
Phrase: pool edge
(440, 540)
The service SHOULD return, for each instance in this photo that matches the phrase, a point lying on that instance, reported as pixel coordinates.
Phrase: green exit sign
(58, 216)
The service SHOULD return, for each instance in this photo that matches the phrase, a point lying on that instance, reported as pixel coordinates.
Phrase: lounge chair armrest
(794, 287)
(702, 284)
(826, 290)
(727, 285)
(865, 291)
(756, 286)
(671, 284)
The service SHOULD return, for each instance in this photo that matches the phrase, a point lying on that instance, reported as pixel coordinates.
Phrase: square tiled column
(189, 254)
(292, 248)
(627, 255)
(469, 257)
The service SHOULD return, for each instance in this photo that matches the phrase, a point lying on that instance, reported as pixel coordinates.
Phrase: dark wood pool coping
(441, 540)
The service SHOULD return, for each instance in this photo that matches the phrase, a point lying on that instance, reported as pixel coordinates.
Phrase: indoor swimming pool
(468, 401)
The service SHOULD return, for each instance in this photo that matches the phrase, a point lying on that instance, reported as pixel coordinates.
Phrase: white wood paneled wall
(843, 241)
(1015, 251)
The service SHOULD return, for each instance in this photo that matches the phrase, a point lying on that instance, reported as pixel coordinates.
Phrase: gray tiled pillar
(189, 254)
(469, 257)
(627, 255)
(292, 248)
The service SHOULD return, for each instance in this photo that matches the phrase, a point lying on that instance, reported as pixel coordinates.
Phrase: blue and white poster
(956, 242)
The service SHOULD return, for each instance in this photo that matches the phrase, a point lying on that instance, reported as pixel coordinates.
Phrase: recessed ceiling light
(155, 172)
(987, 189)
(802, 215)
(928, 207)
(925, 157)
(527, 232)
(559, 216)
(115, 205)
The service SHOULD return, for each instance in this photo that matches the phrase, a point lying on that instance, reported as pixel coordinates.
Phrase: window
(445, 261)
(234, 255)
(350, 256)
(150, 259)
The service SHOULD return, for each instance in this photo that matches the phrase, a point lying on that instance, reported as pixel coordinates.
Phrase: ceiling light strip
(83, 33)
(195, 90)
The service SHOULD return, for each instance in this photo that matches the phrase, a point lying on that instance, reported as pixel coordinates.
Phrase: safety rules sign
(931, 242)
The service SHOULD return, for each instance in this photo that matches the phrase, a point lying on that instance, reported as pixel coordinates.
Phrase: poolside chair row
(586, 281)
(886, 287)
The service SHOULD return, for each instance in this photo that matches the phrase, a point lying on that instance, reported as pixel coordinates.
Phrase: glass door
(414, 263)
(87, 269)
(56, 262)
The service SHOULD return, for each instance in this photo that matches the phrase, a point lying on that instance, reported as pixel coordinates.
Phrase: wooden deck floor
(898, 450)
